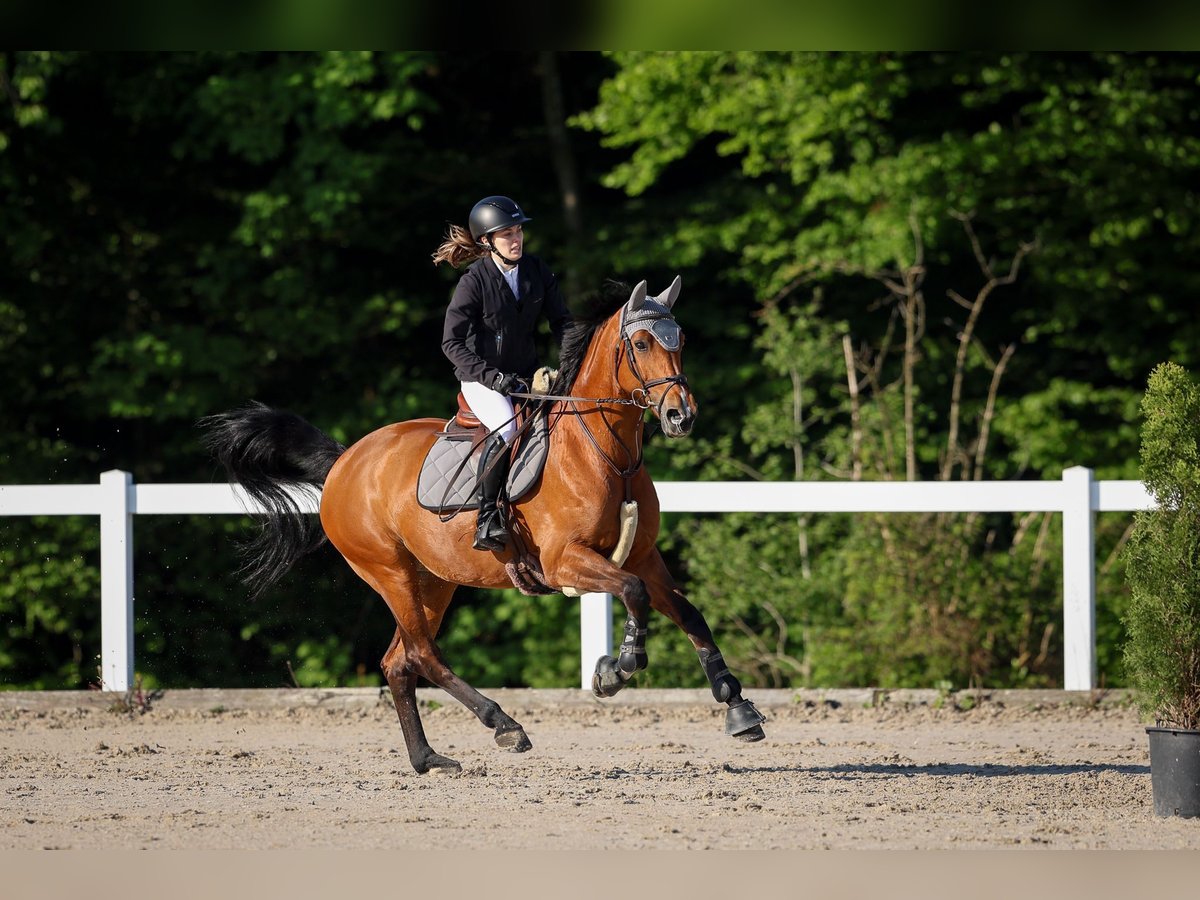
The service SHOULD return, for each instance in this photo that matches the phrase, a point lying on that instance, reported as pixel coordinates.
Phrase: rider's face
(510, 241)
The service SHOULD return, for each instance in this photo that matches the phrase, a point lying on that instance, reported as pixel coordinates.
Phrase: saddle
(449, 479)
(464, 418)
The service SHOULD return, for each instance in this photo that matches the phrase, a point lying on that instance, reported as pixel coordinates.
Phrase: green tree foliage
(904, 187)
(1162, 653)
(819, 164)
(182, 232)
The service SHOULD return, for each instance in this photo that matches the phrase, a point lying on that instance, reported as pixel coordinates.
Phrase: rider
(489, 334)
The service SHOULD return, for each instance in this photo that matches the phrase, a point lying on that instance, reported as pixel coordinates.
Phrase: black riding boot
(491, 533)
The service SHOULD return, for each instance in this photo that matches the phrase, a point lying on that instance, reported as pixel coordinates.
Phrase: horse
(614, 365)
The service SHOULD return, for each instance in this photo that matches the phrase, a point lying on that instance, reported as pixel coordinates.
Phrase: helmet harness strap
(491, 245)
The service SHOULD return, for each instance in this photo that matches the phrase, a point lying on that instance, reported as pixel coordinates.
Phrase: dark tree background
(182, 232)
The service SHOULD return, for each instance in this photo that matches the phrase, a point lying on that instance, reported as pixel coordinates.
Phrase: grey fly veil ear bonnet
(653, 314)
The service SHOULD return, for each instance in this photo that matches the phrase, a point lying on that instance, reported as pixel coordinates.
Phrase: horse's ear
(668, 297)
(637, 298)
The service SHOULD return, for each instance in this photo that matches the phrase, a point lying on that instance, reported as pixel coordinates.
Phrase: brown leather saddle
(465, 423)
(464, 418)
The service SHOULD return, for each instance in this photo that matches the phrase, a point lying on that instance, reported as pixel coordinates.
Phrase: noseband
(640, 395)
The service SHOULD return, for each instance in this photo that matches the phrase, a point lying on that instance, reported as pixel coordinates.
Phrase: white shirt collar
(511, 277)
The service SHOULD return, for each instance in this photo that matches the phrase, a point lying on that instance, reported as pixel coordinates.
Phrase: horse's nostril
(678, 422)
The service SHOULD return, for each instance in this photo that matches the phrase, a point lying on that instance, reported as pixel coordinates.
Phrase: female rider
(489, 334)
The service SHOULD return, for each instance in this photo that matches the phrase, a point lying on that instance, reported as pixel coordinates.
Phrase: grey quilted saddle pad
(448, 482)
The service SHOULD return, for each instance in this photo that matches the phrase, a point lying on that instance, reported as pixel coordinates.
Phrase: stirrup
(490, 533)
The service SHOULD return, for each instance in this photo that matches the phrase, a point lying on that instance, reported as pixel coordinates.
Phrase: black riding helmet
(494, 214)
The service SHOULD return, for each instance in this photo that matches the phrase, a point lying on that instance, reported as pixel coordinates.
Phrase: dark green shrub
(1162, 651)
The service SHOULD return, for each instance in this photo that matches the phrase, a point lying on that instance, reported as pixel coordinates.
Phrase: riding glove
(506, 384)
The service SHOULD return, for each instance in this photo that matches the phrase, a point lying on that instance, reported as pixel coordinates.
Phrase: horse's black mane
(592, 312)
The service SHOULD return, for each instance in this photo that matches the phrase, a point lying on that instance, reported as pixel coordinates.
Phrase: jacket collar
(488, 265)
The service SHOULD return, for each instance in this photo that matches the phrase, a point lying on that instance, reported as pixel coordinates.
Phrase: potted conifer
(1162, 650)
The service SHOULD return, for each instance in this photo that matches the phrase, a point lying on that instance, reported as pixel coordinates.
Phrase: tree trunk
(564, 163)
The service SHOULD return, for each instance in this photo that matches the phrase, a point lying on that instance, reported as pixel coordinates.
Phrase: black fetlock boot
(491, 533)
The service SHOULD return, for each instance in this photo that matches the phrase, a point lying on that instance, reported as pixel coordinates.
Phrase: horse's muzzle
(678, 422)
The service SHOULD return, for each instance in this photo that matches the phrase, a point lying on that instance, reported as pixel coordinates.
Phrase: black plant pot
(1175, 771)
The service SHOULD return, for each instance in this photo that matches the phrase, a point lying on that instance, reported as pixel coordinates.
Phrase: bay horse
(614, 365)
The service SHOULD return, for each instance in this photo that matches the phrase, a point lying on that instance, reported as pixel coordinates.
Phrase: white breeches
(494, 410)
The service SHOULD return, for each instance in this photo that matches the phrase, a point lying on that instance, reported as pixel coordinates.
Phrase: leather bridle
(644, 386)
(639, 397)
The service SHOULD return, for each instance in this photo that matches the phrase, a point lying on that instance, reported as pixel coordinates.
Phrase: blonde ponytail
(458, 248)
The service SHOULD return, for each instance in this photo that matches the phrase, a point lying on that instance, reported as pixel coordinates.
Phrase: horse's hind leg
(417, 601)
(403, 587)
(424, 658)
(403, 684)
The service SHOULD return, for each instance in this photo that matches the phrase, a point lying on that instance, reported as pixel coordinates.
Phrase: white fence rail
(116, 500)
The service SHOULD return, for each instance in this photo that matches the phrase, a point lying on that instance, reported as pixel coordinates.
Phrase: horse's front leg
(586, 571)
(742, 719)
(613, 672)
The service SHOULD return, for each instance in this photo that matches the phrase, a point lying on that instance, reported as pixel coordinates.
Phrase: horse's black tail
(274, 455)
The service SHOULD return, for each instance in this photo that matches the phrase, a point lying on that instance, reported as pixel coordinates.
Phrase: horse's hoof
(744, 722)
(435, 762)
(608, 678)
(514, 740)
(754, 734)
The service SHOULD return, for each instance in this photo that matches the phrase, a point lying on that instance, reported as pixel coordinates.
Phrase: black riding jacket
(489, 332)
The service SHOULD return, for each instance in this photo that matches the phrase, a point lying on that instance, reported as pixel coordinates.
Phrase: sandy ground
(650, 769)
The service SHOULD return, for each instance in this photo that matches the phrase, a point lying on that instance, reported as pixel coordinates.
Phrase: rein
(599, 401)
(599, 404)
(639, 397)
(643, 388)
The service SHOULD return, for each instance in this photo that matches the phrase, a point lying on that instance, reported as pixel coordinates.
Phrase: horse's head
(653, 371)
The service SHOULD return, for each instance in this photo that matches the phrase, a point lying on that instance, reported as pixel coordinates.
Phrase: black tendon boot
(491, 534)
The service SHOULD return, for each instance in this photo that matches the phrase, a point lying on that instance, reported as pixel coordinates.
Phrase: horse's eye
(640, 345)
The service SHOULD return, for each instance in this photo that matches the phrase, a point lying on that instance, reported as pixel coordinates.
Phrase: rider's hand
(506, 384)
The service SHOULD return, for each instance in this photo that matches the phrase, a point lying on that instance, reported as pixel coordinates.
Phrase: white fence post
(595, 634)
(1079, 581)
(116, 581)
